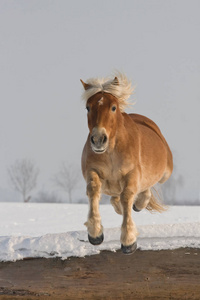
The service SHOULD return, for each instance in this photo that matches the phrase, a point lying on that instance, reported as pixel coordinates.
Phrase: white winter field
(57, 230)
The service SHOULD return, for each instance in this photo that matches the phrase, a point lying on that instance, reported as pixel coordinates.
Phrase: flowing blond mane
(120, 87)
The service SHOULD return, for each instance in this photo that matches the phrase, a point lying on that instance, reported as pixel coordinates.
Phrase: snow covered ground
(57, 230)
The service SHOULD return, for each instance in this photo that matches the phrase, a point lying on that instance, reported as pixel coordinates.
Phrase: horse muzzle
(99, 140)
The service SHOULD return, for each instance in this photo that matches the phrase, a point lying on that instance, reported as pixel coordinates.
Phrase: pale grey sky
(46, 46)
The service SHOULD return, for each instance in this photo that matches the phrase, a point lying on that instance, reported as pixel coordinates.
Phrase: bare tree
(47, 197)
(23, 177)
(67, 178)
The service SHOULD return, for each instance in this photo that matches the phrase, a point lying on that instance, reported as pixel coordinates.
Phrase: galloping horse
(125, 155)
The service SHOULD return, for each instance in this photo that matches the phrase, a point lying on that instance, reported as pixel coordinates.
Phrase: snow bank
(56, 230)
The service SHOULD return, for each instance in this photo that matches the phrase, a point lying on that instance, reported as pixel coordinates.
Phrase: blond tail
(155, 203)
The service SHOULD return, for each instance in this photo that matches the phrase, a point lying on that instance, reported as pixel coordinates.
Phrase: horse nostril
(92, 140)
(98, 140)
(104, 139)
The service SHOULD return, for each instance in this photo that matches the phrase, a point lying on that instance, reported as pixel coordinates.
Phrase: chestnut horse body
(125, 155)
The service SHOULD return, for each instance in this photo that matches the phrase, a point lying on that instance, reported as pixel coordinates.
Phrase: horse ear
(85, 85)
(115, 81)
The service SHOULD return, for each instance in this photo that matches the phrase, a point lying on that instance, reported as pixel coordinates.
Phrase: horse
(124, 156)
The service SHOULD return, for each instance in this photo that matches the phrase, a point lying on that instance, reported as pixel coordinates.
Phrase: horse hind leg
(116, 203)
(149, 199)
(142, 200)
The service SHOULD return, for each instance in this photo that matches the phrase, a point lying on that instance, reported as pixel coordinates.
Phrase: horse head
(103, 118)
(104, 112)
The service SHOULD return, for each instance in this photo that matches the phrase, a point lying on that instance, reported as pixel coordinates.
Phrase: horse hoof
(135, 208)
(129, 249)
(96, 241)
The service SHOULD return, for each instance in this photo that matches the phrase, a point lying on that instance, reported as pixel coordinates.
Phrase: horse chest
(113, 177)
(112, 187)
(112, 183)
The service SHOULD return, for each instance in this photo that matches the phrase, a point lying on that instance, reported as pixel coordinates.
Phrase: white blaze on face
(100, 101)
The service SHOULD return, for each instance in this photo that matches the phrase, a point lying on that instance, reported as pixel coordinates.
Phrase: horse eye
(114, 108)
(88, 108)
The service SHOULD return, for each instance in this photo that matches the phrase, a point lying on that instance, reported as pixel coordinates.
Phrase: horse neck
(126, 133)
(120, 135)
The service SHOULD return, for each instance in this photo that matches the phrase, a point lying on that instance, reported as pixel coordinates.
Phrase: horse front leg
(128, 230)
(93, 224)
